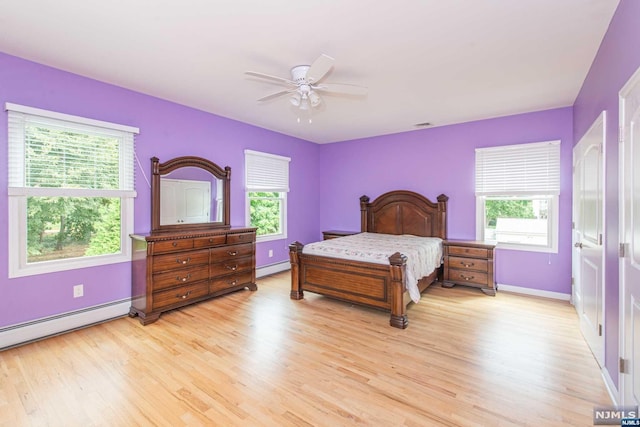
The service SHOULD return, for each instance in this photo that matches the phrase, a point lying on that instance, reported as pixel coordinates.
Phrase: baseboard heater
(34, 330)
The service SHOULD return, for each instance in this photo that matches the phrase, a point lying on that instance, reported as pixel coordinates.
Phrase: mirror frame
(158, 169)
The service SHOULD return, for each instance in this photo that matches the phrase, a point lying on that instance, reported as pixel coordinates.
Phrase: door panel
(629, 200)
(588, 213)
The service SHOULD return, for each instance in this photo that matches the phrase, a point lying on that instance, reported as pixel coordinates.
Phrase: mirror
(189, 193)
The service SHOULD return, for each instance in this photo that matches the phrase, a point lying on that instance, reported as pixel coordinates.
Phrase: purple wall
(442, 160)
(166, 130)
(616, 61)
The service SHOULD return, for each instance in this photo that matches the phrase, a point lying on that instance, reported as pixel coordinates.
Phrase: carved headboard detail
(404, 212)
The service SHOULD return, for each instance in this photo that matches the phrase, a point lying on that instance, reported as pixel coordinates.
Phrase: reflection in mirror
(190, 195)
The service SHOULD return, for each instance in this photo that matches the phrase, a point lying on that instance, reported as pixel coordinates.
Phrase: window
(70, 191)
(267, 184)
(517, 189)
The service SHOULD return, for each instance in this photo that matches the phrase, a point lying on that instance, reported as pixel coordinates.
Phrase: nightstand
(332, 234)
(469, 263)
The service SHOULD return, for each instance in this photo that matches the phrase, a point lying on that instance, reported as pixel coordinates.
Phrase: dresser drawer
(180, 259)
(241, 238)
(231, 266)
(469, 263)
(230, 281)
(180, 277)
(466, 251)
(231, 252)
(465, 276)
(205, 242)
(181, 295)
(172, 245)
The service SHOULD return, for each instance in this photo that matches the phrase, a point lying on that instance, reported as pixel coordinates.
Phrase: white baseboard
(534, 292)
(273, 269)
(611, 388)
(31, 331)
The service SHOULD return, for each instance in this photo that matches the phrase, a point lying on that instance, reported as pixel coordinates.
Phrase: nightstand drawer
(471, 277)
(468, 263)
(467, 251)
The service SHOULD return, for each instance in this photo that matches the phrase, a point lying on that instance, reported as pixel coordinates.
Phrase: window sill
(270, 237)
(525, 248)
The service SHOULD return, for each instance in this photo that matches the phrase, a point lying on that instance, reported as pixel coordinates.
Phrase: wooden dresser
(469, 263)
(171, 270)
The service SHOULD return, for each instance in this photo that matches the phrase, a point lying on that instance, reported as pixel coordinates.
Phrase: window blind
(46, 152)
(266, 172)
(523, 169)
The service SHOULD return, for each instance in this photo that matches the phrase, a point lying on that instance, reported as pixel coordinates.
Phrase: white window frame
(265, 172)
(515, 183)
(18, 194)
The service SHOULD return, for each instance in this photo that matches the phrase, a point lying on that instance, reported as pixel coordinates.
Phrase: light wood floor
(261, 359)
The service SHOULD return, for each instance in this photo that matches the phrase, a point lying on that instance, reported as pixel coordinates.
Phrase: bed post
(295, 249)
(364, 201)
(442, 216)
(398, 309)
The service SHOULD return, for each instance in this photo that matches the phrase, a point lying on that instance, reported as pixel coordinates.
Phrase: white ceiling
(437, 61)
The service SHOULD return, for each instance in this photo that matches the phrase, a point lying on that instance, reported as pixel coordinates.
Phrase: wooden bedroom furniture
(332, 234)
(373, 285)
(180, 264)
(171, 270)
(469, 263)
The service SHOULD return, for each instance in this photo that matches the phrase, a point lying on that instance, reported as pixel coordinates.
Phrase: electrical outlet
(270, 253)
(78, 291)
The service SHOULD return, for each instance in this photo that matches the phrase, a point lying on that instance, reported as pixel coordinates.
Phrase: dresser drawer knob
(467, 277)
(210, 240)
(183, 279)
(232, 268)
(174, 244)
(233, 283)
(183, 261)
(183, 296)
(232, 253)
(467, 265)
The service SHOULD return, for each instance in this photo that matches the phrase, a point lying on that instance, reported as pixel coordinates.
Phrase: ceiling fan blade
(319, 68)
(277, 94)
(270, 77)
(344, 88)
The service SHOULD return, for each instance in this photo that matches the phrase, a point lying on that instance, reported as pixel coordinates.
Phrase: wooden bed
(374, 285)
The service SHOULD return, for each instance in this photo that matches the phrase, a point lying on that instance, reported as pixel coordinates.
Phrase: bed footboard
(374, 285)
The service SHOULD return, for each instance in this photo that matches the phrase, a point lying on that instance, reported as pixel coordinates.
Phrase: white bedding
(424, 254)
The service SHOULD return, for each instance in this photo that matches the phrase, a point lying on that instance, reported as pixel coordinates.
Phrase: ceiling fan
(305, 85)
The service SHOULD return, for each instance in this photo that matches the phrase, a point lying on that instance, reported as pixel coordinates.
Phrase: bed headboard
(404, 212)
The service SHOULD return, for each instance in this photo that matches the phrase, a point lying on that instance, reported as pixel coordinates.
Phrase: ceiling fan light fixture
(305, 81)
(295, 99)
(314, 99)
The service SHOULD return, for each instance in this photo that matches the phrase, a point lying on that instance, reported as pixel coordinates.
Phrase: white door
(184, 201)
(588, 254)
(197, 201)
(629, 201)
